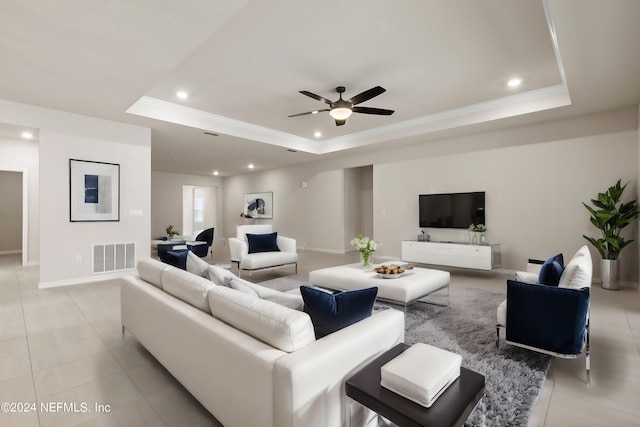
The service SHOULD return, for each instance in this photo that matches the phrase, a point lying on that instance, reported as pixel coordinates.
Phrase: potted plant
(478, 231)
(171, 232)
(610, 216)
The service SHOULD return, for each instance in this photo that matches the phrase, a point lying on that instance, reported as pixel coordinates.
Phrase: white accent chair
(239, 248)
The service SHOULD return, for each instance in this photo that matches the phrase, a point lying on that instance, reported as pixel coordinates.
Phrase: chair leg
(497, 336)
(587, 356)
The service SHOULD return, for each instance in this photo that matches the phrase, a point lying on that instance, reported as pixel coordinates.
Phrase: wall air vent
(114, 257)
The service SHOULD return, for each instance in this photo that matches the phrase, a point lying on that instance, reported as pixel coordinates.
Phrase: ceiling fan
(340, 110)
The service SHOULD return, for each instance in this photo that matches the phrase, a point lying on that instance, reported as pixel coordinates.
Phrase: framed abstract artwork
(94, 190)
(258, 205)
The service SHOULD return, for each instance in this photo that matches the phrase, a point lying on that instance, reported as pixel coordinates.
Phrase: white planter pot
(610, 270)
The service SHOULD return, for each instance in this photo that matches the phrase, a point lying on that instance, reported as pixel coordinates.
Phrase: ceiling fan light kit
(340, 110)
(340, 113)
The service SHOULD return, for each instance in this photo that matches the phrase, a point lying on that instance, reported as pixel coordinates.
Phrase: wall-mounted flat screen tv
(452, 210)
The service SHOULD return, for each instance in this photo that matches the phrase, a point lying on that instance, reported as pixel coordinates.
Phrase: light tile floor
(61, 349)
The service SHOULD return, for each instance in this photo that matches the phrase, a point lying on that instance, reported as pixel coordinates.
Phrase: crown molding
(523, 103)
(174, 113)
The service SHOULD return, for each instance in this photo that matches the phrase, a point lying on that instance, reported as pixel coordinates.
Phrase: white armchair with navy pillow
(551, 314)
(258, 247)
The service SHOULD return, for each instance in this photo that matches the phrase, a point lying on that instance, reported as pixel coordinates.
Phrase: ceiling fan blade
(340, 122)
(367, 95)
(308, 112)
(369, 110)
(314, 96)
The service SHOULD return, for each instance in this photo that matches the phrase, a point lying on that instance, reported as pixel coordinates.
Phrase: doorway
(14, 213)
(199, 208)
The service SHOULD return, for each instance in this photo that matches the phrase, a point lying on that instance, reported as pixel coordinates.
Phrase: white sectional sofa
(250, 361)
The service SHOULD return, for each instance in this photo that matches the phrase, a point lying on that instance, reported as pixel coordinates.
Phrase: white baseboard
(330, 251)
(84, 280)
(11, 252)
(623, 283)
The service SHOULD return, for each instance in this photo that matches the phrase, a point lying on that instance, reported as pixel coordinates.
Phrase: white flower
(364, 244)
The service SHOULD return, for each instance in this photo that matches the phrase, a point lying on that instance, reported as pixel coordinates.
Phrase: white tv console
(452, 254)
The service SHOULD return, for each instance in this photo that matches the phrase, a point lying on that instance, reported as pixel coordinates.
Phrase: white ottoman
(421, 374)
(413, 285)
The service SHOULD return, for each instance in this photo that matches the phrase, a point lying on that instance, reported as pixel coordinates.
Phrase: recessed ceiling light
(250, 166)
(514, 82)
(317, 134)
(182, 94)
(216, 173)
(27, 135)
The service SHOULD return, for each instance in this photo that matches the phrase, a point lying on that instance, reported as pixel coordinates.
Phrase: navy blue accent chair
(551, 316)
(207, 237)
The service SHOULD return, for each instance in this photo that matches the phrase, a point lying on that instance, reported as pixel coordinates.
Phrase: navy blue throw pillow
(177, 258)
(332, 312)
(263, 243)
(551, 271)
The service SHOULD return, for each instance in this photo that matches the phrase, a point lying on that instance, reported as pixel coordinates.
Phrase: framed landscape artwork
(94, 190)
(258, 205)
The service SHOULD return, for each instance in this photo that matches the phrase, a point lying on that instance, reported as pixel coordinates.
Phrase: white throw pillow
(197, 265)
(221, 276)
(278, 326)
(577, 274)
(288, 300)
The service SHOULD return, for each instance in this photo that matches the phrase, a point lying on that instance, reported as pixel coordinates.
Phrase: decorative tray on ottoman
(422, 373)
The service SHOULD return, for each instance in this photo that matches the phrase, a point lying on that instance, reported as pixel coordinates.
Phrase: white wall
(533, 194)
(535, 176)
(21, 155)
(64, 136)
(166, 199)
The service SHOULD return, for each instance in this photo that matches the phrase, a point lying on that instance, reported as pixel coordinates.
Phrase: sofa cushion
(268, 259)
(263, 242)
(278, 326)
(187, 287)
(527, 277)
(220, 276)
(150, 270)
(332, 312)
(502, 314)
(196, 265)
(578, 272)
(551, 271)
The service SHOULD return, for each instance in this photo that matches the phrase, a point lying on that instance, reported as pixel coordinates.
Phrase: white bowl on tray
(391, 276)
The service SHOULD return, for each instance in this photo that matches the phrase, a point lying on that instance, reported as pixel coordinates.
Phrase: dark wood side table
(452, 408)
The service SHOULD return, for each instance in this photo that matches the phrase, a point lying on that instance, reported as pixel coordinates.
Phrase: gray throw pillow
(197, 265)
(242, 287)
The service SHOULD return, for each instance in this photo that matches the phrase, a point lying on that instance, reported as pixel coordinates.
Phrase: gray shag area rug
(513, 376)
